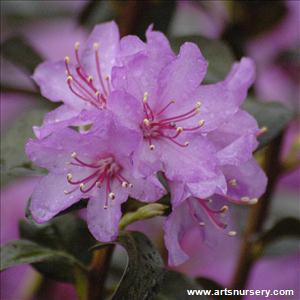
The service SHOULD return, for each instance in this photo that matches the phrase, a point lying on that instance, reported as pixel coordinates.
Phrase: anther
(112, 195)
(69, 78)
(146, 122)
(245, 199)
(186, 143)
(224, 209)
(69, 176)
(73, 154)
(96, 46)
(125, 184)
(145, 98)
(97, 93)
(232, 233)
(130, 185)
(233, 182)
(67, 59)
(90, 78)
(253, 201)
(261, 131)
(201, 123)
(82, 185)
(198, 104)
(202, 224)
(152, 147)
(179, 129)
(76, 45)
(66, 192)
(105, 206)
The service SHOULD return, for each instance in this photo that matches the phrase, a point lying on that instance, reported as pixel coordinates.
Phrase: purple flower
(159, 95)
(95, 165)
(84, 84)
(239, 180)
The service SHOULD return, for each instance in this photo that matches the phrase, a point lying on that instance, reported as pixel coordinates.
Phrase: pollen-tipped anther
(146, 122)
(152, 147)
(232, 233)
(253, 201)
(179, 129)
(186, 143)
(233, 182)
(201, 123)
(96, 46)
(82, 185)
(90, 78)
(125, 184)
(111, 195)
(202, 224)
(67, 59)
(69, 78)
(77, 45)
(73, 154)
(145, 98)
(69, 176)
(130, 185)
(224, 209)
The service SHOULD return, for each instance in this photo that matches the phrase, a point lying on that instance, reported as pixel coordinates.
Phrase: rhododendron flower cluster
(131, 109)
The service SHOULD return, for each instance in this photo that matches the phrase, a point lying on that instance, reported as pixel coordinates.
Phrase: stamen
(145, 98)
(233, 182)
(77, 46)
(152, 147)
(125, 184)
(112, 196)
(261, 131)
(232, 233)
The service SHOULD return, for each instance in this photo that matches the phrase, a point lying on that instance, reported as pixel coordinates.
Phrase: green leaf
(14, 162)
(17, 50)
(285, 228)
(27, 252)
(175, 286)
(144, 273)
(67, 234)
(217, 53)
(272, 115)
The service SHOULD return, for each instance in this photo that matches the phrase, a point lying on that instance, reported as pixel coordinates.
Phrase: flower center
(155, 126)
(103, 172)
(83, 85)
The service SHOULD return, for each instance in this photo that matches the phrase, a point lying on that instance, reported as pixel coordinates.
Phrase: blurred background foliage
(32, 31)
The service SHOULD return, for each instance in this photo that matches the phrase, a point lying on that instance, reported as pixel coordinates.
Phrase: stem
(257, 216)
(98, 272)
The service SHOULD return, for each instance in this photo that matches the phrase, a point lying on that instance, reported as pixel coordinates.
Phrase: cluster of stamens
(84, 86)
(215, 215)
(103, 172)
(155, 126)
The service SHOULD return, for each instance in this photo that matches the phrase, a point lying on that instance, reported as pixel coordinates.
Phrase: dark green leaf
(14, 162)
(287, 227)
(217, 53)
(273, 115)
(175, 286)
(66, 234)
(144, 273)
(18, 51)
(26, 252)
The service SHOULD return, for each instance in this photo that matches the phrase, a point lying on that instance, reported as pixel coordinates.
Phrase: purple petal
(104, 223)
(52, 80)
(250, 180)
(48, 198)
(107, 36)
(175, 227)
(182, 75)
